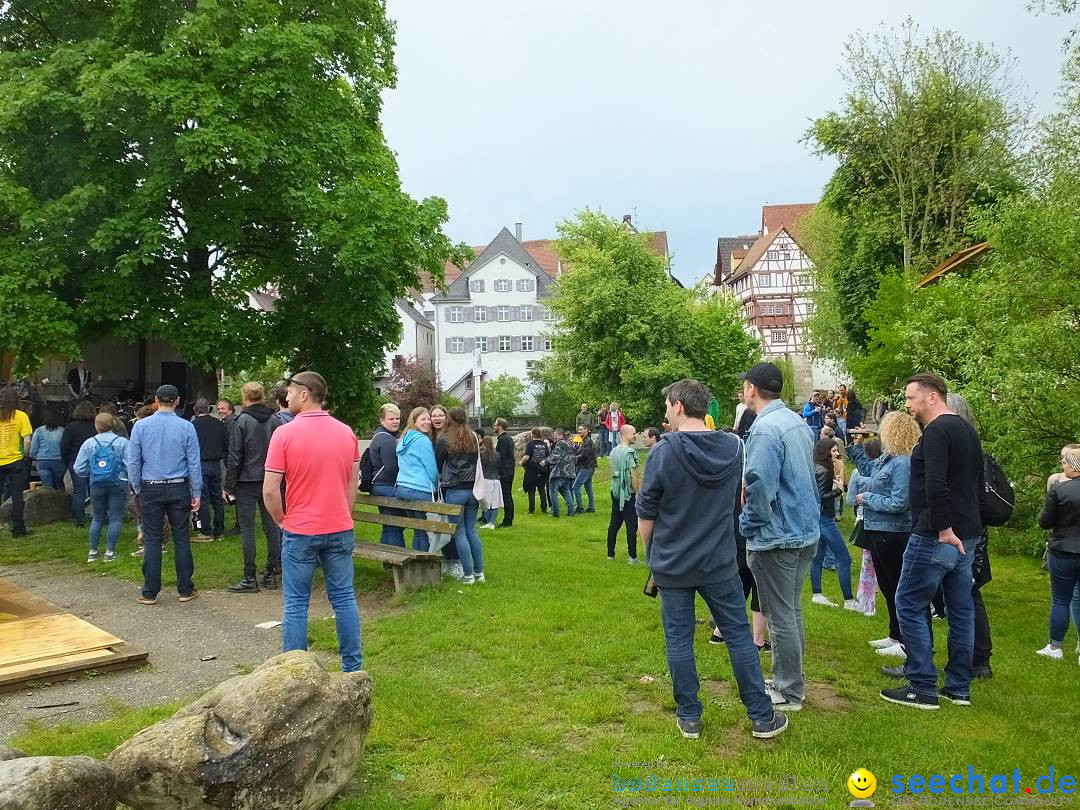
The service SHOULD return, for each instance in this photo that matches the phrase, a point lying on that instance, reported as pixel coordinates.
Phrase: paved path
(218, 624)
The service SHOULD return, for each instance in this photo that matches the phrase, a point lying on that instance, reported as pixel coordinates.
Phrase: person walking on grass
(213, 443)
(561, 472)
(686, 509)
(780, 524)
(456, 453)
(504, 448)
(1061, 515)
(586, 468)
(625, 482)
(946, 477)
(101, 461)
(249, 440)
(164, 470)
(830, 489)
(318, 458)
(15, 439)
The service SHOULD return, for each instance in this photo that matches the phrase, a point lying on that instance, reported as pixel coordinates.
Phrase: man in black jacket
(504, 448)
(249, 436)
(213, 441)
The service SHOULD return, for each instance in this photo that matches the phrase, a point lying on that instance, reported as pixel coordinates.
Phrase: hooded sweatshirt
(690, 490)
(416, 463)
(249, 436)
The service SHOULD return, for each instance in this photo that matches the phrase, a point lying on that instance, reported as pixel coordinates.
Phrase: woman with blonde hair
(882, 493)
(101, 462)
(1061, 515)
(417, 476)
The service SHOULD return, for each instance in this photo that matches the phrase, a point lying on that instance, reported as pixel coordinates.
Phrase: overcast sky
(687, 114)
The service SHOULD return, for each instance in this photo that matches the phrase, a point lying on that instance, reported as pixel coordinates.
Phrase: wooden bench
(411, 569)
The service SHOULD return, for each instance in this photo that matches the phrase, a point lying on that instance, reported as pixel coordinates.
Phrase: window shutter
(469, 313)
(446, 314)
(470, 345)
(515, 343)
(514, 314)
(493, 313)
(538, 312)
(448, 345)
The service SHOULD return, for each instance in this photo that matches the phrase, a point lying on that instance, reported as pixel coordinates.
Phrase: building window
(547, 344)
(778, 336)
(429, 314)
(765, 280)
(479, 314)
(504, 343)
(530, 364)
(457, 314)
(526, 285)
(468, 383)
(548, 314)
(457, 345)
(502, 285)
(809, 308)
(476, 285)
(502, 314)
(481, 344)
(527, 343)
(526, 312)
(773, 255)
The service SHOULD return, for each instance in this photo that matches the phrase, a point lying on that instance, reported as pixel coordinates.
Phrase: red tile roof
(773, 217)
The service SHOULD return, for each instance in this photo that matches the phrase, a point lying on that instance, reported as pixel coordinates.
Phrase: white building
(772, 279)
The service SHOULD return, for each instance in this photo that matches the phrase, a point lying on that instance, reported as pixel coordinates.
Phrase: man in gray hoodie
(686, 512)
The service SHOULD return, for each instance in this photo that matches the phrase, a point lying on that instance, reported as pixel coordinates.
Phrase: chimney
(517, 231)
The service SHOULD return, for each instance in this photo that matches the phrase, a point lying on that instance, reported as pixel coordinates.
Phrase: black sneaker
(716, 638)
(893, 672)
(956, 697)
(233, 532)
(767, 729)
(268, 581)
(246, 585)
(982, 672)
(691, 729)
(906, 696)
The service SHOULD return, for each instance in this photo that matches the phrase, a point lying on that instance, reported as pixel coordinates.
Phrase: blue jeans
(420, 538)
(211, 498)
(78, 496)
(1064, 580)
(51, 472)
(831, 540)
(391, 535)
(564, 487)
(156, 502)
(727, 605)
(301, 554)
(490, 515)
(584, 479)
(929, 564)
(466, 538)
(1076, 609)
(107, 502)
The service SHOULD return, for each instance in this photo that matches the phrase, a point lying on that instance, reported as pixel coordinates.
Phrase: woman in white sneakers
(1061, 515)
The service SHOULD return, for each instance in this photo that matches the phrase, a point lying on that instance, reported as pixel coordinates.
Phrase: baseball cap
(312, 381)
(167, 393)
(765, 376)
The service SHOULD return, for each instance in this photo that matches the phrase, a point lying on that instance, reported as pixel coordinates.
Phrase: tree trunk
(202, 375)
(203, 383)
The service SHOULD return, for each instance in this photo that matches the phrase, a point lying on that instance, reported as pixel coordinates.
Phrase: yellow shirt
(12, 433)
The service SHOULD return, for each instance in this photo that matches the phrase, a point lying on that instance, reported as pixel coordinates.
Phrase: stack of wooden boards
(39, 641)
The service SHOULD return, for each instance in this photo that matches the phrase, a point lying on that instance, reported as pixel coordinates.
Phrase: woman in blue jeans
(829, 489)
(46, 453)
(107, 498)
(456, 453)
(417, 476)
(1061, 515)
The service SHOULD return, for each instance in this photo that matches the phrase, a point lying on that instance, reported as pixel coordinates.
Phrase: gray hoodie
(690, 490)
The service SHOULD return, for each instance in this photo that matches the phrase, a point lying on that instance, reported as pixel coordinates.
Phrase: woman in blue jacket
(108, 495)
(46, 452)
(880, 488)
(417, 476)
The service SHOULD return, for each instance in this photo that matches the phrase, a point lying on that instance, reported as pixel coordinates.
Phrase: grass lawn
(523, 692)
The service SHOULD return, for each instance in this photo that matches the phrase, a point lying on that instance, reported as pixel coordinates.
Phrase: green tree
(502, 396)
(159, 161)
(625, 330)
(414, 383)
(928, 131)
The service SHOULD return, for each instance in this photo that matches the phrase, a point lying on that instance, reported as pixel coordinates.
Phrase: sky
(687, 115)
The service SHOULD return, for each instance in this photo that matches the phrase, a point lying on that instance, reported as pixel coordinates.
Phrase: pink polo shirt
(315, 452)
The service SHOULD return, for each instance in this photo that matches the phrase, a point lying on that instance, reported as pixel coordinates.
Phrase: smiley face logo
(862, 784)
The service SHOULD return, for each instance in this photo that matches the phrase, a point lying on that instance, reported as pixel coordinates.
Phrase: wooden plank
(416, 506)
(21, 604)
(41, 637)
(395, 555)
(418, 573)
(437, 526)
(119, 656)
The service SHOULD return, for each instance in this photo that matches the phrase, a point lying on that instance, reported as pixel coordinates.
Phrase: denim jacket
(781, 492)
(886, 505)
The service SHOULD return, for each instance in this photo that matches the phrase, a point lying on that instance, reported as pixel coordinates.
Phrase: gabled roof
(506, 244)
(726, 248)
(757, 250)
(406, 307)
(955, 262)
(774, 217)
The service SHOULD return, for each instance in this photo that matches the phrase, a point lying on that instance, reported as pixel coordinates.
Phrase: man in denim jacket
(780, 523)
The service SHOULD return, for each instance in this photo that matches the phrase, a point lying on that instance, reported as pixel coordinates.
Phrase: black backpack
(996, 500)
(367, 474)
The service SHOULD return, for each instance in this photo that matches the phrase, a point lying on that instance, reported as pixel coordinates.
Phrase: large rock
(7, 752)
(289, 736)
(56, 783)
(43, 505)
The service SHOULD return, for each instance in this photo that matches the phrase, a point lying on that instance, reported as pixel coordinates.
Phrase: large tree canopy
(158, 160)
(625, 330)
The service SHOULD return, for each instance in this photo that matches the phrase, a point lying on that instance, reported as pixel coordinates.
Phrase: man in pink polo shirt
(319, 458)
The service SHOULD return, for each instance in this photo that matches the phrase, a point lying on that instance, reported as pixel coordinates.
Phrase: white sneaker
(94, 556)
(488, 526)
(896, 650)
(852, 604)
(469, 580)
(881, 643)
(1051, 652)
(456, 571)
(633, 561)
(822, 599)
(479, 577)
(110, 556)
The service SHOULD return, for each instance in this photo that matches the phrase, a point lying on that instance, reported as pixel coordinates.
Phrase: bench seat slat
(391, 554)
(397, 503)
(437, 526)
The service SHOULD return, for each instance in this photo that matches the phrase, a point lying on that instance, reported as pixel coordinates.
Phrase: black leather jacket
(1061, 515)
(827, 490)
(456, 470)
(249, 436)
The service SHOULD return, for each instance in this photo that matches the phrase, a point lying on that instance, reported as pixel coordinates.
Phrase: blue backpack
(104, 463)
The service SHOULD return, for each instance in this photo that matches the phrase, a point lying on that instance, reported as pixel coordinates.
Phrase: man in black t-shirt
(946, 476)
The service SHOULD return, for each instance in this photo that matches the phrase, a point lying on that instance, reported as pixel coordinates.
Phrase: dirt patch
(642, 706)
(721, 689)
(825, 696)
